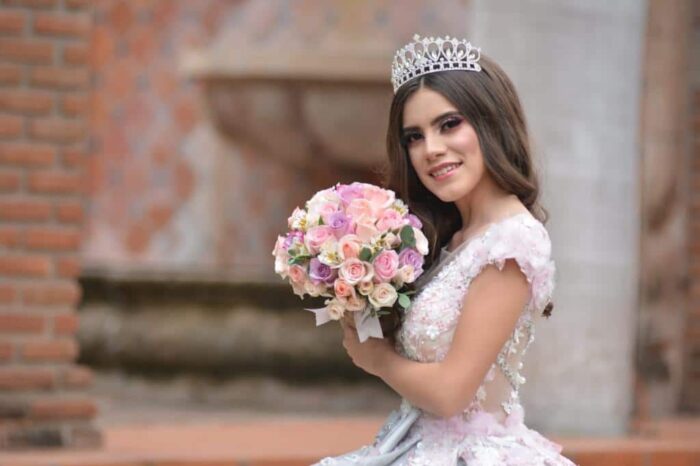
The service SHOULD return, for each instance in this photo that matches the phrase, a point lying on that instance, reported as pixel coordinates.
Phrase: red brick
(25, 378)
(70, 212)
(26, 51)
(15, 322)
(68, 267)
(52, 239)
(28, 266)
(77, 4)
(9, 181)
(55, 24)
(25, 210)
(12, 22)
(8, 294)
(49, 350)
(52, 294)
(76, 54)
(32, 3)
(65, 324)
(75, 105)
(11, 126)
(10, 237)
(63, 409)
(33, 102)
(58, 130)
(6, 351)
(77, 377)
(10, 74)
(74, 157)
(56, 183)
(27, 154)
(60, 78)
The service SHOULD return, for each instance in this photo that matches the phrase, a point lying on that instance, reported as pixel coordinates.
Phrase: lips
(443, 169)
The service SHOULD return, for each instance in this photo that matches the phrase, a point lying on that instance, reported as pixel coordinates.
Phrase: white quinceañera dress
(491, 430)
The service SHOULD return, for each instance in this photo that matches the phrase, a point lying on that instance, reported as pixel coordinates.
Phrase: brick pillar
(44, 86)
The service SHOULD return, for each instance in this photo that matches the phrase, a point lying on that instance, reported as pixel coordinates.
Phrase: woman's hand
(368, 356)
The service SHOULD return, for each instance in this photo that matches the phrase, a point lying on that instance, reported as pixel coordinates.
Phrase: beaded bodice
(428, 325)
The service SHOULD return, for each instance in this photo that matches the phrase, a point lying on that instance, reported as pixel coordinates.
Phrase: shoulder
(525, 240)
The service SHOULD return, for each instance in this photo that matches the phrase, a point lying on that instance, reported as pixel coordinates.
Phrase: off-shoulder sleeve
(526, 241)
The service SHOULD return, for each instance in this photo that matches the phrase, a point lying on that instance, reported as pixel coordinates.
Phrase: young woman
(459, 156)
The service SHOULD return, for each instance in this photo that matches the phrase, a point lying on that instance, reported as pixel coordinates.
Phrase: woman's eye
(450, 123)
(410, 138)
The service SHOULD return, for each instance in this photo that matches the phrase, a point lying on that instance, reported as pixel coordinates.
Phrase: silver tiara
(430, 54)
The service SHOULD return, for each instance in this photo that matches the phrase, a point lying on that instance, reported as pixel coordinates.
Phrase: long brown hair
(489, 102)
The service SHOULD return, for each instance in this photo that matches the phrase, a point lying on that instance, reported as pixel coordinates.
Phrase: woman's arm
(489, 314)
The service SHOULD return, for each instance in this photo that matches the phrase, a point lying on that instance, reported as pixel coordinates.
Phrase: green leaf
(404, 301)
(407, 237)
(320, 221)
(292, 252)
(365, 254)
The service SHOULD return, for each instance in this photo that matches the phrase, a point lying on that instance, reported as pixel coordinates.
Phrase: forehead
(423, 106)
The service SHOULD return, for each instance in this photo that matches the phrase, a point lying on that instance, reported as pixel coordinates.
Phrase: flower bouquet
(358, 246)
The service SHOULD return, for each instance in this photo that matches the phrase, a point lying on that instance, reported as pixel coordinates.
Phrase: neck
(483, 205)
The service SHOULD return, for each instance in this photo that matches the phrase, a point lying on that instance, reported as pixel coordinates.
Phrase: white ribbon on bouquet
(366, 324)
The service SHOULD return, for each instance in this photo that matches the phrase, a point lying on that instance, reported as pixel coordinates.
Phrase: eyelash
(446, 125)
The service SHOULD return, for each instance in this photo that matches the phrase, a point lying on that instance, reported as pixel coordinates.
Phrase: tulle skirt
(409, 437)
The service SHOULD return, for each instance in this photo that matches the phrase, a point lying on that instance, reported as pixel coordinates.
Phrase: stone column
(44, 84)
(665, 200)
(578, 68)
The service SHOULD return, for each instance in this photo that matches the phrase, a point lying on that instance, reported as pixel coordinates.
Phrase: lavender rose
(339, 224)
(414, 221)
(320, 272)
(410, 256)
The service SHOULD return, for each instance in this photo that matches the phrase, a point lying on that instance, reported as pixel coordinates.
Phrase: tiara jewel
(430, 54)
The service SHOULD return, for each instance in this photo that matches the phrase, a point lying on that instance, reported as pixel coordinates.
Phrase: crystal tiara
(430, 54)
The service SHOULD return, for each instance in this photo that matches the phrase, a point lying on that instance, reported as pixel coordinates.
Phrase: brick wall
(44, 97)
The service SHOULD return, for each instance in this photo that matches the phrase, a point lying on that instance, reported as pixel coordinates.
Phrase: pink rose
(342, 288)
(386, 264)
(390, 219)
(366, 230)
(349, 246)
(297, 273)
(353, 270)
(316, 236)
(360, 209)
(379, 198)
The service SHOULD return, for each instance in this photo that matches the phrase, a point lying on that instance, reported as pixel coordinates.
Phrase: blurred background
(152, 150)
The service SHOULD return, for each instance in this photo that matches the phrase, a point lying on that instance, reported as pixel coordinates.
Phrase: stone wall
(44, 88)
(691, 387)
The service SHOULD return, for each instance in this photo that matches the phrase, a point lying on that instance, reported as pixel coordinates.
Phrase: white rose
(421, 241)
(335, 309)
(314, 290)
(355, 303)
(391, 240)
(407, 274)
(365, 287)
(383, 295)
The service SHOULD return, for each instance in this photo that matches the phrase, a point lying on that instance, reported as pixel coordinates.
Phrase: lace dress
(491, 430)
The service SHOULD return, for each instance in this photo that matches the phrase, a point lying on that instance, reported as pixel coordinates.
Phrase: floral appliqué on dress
(491, 431)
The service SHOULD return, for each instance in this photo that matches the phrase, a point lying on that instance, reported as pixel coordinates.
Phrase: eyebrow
(433, 121)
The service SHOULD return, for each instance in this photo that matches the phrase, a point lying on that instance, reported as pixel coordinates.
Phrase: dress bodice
(428, 325)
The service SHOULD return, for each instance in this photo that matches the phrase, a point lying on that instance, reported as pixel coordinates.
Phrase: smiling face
(442, 146)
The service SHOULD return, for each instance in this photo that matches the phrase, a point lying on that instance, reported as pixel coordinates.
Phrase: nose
(434, 146)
